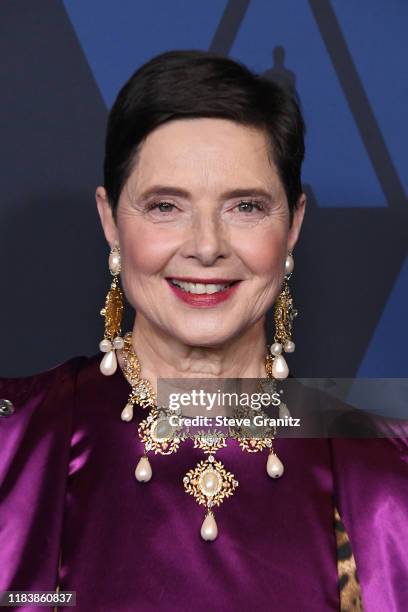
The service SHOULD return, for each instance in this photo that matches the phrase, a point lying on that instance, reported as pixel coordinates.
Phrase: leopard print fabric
(349, 586)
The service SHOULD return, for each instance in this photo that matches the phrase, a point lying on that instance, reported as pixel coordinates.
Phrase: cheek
(145, 251)
(264, 254)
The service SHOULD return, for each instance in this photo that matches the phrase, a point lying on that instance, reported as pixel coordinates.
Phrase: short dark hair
(194, 84)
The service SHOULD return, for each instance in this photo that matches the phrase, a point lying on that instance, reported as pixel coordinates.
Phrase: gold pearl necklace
(208, 482)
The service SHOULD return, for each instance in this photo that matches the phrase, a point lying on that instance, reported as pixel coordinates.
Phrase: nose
(206, 239)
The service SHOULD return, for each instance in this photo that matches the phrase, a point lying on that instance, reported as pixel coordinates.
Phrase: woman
(201, 207)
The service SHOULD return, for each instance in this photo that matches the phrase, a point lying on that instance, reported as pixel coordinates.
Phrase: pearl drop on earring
(109, 363)
(118, 343)
(289, 264)
(114, 261)
(280, 368)
(276, 348)
(289, 346)
(105, 345)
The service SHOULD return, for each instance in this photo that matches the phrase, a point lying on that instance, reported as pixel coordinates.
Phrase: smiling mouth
(201, 288)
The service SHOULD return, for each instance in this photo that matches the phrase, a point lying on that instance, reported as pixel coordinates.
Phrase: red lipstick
(203, 300)
(204, 281)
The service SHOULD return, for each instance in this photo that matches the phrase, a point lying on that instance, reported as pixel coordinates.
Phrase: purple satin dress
(72, 513)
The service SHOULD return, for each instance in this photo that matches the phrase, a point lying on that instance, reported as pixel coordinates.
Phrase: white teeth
(214, 288)
(199, 288)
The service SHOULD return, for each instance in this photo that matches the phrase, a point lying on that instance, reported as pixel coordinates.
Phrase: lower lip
(203, 300)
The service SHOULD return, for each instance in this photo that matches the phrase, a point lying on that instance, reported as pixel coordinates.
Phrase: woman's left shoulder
(370, 472)
(370, 459)
(370, 444)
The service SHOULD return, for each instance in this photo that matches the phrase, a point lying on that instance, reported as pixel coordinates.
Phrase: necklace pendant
(274, 465)
(127, 412)
(143, 471)
(209, 529)
(209, 483)
(158, 435)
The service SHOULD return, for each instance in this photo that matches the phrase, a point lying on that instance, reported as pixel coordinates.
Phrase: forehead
(205, 152)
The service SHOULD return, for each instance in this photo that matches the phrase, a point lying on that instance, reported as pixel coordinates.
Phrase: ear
(298, 215)
(106, 216)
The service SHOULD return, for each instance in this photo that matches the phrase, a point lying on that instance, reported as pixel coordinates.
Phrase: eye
(163, 207)
(249, 206)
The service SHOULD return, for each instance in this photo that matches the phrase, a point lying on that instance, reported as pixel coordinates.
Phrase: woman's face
(203, 207)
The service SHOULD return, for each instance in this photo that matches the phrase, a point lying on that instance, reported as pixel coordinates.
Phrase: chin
(214, 337)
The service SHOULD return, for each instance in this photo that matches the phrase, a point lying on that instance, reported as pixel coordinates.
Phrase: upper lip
(210, 281)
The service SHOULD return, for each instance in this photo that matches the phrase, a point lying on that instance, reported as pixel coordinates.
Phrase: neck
(163, 356)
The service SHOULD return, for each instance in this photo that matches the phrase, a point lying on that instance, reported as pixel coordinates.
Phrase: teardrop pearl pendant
(274, 466)
(127, 413)
(280, 368)
(209, 529)
(109, 363)
(143, 471)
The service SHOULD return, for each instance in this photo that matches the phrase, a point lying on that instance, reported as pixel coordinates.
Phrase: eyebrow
(161, 190)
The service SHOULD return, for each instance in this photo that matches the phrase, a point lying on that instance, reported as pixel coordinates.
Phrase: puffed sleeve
(371, 488)
(35, 432)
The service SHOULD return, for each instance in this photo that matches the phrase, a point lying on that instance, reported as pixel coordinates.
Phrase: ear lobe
(106, 216)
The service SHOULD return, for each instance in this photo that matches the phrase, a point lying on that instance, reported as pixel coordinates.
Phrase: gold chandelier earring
(284, 314)
(112, 312)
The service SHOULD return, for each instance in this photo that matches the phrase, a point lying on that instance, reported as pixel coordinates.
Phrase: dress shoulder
(371, 490)
(35, 434)
(19, 389)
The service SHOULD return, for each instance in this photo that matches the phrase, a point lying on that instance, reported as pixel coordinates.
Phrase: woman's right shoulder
(37, 425)
(21, 396)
